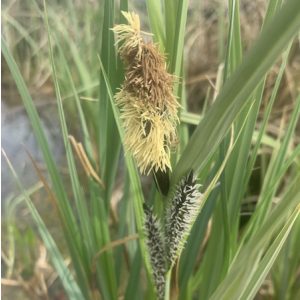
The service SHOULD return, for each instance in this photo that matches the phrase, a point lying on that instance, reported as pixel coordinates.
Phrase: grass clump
(191, 240)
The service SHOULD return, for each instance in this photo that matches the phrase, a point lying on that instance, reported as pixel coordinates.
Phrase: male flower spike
(148, 108)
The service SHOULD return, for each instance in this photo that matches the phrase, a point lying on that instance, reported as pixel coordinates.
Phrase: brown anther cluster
(147, 105)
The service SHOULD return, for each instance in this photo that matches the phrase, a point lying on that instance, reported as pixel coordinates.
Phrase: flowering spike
(180, 215)
(156, 250)
(148, 108)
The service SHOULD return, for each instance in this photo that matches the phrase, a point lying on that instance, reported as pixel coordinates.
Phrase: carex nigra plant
(148, 110)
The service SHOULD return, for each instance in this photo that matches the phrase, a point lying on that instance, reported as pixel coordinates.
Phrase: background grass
(244, 242)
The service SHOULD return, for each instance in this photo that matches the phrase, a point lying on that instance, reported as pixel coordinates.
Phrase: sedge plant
(183, 238)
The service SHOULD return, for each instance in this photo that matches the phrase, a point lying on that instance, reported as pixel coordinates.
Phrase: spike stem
(167, 286)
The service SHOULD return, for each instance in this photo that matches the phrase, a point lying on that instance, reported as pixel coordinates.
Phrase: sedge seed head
(156, 248)
(181, 214)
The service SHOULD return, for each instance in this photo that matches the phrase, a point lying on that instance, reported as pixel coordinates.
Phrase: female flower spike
(155, 244)
(147, 106)
(180, 215)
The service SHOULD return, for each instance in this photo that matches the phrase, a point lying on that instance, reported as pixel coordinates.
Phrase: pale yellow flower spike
(147, 106)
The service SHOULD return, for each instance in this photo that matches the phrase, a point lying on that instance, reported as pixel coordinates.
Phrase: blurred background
(76, 25)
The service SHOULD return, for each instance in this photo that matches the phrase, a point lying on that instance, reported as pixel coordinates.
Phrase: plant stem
(167, 287)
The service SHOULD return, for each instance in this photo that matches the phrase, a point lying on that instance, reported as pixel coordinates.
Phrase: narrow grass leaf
(239, 86)
(246, 261)
(65, 275)
(156, 22)
(269, 258)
